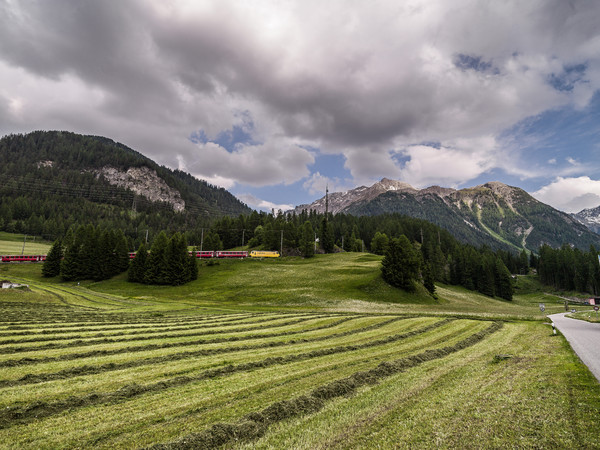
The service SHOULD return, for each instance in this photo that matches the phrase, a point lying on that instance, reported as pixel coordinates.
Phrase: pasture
(17, 244)
(321, 356)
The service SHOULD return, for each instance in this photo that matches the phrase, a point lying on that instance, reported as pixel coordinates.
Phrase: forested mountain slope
(53, 179)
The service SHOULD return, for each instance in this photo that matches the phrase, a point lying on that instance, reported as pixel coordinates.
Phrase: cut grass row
(245, 385)
(255, 424)
(81, 339)
(206, 358)
(41, 408)
(70, 371)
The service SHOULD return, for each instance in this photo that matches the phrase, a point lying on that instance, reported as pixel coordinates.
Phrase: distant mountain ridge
(492, 214)
(590, 217)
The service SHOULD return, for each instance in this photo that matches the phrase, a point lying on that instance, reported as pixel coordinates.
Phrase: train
(240, 254)
(22, 258)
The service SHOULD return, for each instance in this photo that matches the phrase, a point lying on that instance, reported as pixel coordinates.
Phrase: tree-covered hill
(54, 179)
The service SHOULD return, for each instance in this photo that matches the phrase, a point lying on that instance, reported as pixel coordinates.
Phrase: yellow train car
(263, 254)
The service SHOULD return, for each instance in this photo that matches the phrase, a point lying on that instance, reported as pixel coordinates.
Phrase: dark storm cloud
(367, 80)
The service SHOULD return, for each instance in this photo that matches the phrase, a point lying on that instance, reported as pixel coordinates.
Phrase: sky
(275, 100)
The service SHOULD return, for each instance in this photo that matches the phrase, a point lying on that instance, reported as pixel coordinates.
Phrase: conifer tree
(51, 267)
(156, 265)
(504, 287)
(177, 269)
(192, 266)
(307, 240)
(137, 268)
(400, 266)
(326, 236)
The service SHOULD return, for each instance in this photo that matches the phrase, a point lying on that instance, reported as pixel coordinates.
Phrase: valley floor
(99, 365)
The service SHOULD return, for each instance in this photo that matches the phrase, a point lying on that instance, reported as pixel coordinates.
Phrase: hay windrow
(14, 415)
(87, 343)
(254, 425)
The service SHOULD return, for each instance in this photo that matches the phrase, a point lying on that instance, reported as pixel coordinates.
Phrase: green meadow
(286, 353)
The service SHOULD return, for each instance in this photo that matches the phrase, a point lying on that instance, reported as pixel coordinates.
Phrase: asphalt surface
(584, 338)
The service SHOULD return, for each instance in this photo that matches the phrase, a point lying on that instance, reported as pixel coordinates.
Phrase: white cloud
(264, 205)
(570, 194)
(447, 166)
(317, 184)
(276, 162)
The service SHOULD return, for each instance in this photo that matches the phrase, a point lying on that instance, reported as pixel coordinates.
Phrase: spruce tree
(177, 269)
(400, 265)
(504, 287)
(307, 240)
(326, 236)
(51, 267)
(156, 265)
(192, 269)
(137, 268)
(428, 279)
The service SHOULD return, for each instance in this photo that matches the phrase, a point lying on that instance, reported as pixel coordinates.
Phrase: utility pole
(243, 233)
(315, 243)
(326, 200)
(201, 239)
(281, 245)
(23, 249)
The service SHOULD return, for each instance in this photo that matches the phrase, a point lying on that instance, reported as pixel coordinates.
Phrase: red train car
(231, 254)
(204, 254)
(23, 258)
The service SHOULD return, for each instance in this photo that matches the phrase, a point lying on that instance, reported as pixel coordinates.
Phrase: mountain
(590, 218)
(493, 214)
(54, 179)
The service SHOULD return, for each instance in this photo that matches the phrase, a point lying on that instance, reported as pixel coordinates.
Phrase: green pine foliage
(326, 236)
(51, 267)
(379, 243)
(137, 268)
(168, 262)
(307, 242)
(570, 269)
(156, 265)
(93, 254)
(400, 265)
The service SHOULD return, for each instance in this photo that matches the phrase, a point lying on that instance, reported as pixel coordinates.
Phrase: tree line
(93, 253)
(570, 269)
(87, 253)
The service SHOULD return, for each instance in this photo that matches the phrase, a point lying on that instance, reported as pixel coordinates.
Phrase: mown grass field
(17, 244)
(284, 354)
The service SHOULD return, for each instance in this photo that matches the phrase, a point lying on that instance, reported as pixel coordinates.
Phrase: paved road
(584, 338)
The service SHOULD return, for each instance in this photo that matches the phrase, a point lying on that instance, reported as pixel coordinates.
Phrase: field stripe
(146, 329)
(91, 369)
(255, 425)
(210, 331)
(16, 331)
(14, 415)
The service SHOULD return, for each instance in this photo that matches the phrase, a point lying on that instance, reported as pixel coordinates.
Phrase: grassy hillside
(288, 353)
(15, 244)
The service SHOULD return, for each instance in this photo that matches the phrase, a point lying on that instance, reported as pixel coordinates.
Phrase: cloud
(570, 194)
(427, 165)
(317, 184)
(277, 161)
(264, 205)
(152, 73)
